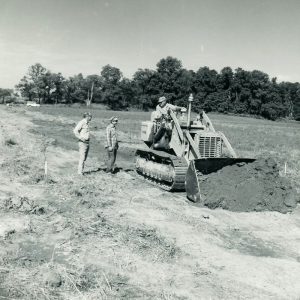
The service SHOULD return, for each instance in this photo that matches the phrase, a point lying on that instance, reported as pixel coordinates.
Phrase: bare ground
(116, 237)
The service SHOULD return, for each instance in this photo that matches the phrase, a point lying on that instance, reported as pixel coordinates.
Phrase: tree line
(229, 91)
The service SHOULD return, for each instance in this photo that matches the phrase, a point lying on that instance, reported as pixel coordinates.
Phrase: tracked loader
(179, 152)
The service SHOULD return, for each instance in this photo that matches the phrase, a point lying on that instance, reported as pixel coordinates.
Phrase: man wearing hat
(162, 122)
(82, 132)
(163, 107)
(111, 144)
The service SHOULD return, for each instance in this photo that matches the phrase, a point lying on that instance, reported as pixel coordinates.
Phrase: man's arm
(108, 137)
(174, 107)
(77, 130)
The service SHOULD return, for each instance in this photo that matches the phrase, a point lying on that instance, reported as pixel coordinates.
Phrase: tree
(58, 87)
(183, 86)
(241, 91)
(272, 111)
(238, 91)
(4, 93)
(75, 89)
(289, 94)
(145, 88)
(142, 79)
(46, 84)
(168, 71)
(111, 88)
(225, 79)
(26, 88)
(33, 84)
(111, 75)
(127, 93)
(93, 84)
(205, 83)
(169, 66)
(296, 103)
(36, 73)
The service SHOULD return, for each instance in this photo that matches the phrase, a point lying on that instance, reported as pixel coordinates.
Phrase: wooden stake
(46, 169)
(285, 168)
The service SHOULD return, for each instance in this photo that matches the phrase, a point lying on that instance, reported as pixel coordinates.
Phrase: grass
(250, 137)
(91, 242)
(129, 121)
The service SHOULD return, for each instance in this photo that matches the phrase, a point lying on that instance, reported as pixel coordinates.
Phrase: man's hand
(110, 149)
(183, 109)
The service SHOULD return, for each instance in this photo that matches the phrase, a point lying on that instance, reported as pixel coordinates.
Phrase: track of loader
(174, 180)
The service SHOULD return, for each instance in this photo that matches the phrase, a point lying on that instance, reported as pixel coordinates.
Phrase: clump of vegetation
(10, 142)
(151, 242)
(23, 204)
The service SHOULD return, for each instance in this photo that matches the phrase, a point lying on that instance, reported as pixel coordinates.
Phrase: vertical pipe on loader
(191, 99)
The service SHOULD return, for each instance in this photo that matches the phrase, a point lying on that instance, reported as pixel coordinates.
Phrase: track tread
(179, 164)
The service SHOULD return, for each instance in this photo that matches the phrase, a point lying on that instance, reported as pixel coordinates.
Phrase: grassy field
(129, 122)
(250, 137)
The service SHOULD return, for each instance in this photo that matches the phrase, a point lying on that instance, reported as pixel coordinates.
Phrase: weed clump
(23, 204)
(150, 242)
(10, 142)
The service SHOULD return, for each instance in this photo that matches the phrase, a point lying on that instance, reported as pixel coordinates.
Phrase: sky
(82, 36)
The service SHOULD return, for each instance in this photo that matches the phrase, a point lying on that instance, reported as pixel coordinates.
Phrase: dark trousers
(111, 159)
(162, 137)
(159, 134)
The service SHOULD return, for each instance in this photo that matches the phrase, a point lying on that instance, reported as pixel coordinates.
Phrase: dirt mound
(255, 186)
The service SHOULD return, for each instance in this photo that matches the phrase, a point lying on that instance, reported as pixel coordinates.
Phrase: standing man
(111, 144)
(82, 132)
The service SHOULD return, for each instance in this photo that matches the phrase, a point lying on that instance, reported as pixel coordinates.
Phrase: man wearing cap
(163, 107)
(111, 144)
(162, 122)
(82, 132)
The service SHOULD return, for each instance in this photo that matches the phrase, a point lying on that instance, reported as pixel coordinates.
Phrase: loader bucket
(206, 166)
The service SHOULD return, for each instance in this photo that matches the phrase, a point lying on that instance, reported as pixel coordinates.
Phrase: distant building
(32, 103)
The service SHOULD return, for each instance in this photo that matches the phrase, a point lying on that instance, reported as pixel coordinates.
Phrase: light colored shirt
(82, 130)
(164, 110)
(111, 136)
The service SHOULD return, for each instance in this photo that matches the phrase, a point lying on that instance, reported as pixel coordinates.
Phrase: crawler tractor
(179, 151)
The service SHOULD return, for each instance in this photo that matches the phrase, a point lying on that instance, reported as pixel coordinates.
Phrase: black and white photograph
(149, 149)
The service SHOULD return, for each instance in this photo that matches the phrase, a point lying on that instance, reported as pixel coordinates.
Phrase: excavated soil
(255, 186)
